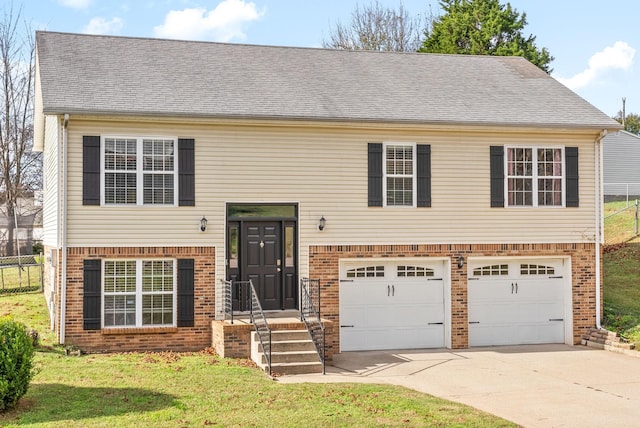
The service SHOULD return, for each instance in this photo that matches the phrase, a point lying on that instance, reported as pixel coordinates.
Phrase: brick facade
(324, 264)
(233, 341)
(142, 339)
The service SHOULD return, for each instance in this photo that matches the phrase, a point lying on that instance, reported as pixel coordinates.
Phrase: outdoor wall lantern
(203, 223)
(460, 262)
(322, 223)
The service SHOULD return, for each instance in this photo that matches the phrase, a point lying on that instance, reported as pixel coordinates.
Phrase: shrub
(16, 361)
(37, 248)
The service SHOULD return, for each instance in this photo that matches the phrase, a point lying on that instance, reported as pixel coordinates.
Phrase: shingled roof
(105, 75)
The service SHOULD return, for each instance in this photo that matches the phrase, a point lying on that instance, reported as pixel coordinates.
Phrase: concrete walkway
(534, 386)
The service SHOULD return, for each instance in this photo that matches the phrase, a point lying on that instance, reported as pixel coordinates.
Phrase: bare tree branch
(20, 167)
(379, 28)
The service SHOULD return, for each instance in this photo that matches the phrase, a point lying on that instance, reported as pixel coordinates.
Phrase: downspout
(599, 220)
(63, 233)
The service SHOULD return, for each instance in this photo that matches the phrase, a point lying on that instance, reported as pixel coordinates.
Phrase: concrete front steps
(292, 352)
(604, 339)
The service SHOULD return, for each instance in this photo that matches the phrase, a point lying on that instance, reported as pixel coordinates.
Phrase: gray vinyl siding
(621, 164)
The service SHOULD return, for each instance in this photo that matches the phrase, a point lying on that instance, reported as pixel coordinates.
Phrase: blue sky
(594, 42)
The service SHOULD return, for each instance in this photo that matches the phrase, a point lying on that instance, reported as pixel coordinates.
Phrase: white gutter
(599, 220)
(63, 232)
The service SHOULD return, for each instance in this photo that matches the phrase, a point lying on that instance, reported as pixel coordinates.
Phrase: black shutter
(571, 162)
(91, 304)
(424, 175)
(90, 170)
(497, 176)
(186, 172)
(375, 174)
(185, 292)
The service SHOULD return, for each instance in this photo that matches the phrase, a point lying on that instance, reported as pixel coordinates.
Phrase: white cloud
(75, 4)
(616, 57)
(221, 24)
(99, 25)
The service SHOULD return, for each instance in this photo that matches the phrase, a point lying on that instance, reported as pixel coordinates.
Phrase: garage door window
(526, 269)
(366, 272)
(413, 271)
(491, 270)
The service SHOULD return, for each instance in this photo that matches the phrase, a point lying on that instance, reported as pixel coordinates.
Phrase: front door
(264, 251)
(262, 262)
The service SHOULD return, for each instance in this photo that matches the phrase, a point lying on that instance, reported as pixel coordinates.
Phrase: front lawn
(202, 389)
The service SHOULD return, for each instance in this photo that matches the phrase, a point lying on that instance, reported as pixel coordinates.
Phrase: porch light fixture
(203, 223)
(460, 262)
(322, 223)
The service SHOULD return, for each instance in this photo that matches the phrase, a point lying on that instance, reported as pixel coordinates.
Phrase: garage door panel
(541, 333)
(402, 310)
(516, 302)
(493, 312)
(490, 335)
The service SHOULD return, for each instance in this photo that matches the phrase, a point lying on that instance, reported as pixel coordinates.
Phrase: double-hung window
(535, 176)
(139, 171)
(139, 293)
(399, 174)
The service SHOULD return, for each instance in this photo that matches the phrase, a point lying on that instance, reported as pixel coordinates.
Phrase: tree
(377, 28)
(631, 122)
(20, 167)
(483, 27)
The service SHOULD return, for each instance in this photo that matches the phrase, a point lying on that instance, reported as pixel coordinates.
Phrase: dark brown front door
(262, 261)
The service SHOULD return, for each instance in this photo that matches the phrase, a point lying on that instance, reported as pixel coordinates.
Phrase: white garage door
(391, 305)
(514, 302)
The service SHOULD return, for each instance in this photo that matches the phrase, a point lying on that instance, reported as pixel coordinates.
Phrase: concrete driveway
(534, 385)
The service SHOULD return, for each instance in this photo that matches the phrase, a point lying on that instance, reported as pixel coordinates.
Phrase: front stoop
(608, 340)
(292, 352)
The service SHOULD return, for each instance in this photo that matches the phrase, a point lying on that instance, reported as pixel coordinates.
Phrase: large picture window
(534, 176)
(399, 174)
(139, 293)
(139, 171)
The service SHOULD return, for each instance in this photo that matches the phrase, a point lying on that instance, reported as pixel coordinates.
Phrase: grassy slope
(200, 389)
(621, 273)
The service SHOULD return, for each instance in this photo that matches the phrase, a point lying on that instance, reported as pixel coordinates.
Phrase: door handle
(512, 288)
(556, 319)
(474, 322)
(388, 290)
(436, 323)
(516, 288)
(393, 290)
(347, 326)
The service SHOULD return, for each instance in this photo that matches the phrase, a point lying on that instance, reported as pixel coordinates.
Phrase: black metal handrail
(310, 315)
(227, 299)
(259, 320)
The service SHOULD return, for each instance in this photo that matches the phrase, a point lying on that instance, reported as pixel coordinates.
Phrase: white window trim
(139, 170)
(138, 293)
(414, 173)
(534, 177)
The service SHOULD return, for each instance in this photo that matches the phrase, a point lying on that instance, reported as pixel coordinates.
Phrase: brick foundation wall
(142, 339)
(324, 264)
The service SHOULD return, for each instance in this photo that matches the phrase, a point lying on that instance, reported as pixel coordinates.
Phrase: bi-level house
(442, 201)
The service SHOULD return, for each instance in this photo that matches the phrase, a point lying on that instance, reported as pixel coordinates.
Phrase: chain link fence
(620, 221)
(20, 274)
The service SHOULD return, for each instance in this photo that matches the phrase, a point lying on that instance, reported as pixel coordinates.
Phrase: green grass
(201, 389)
(619, 222)
(621, 273)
